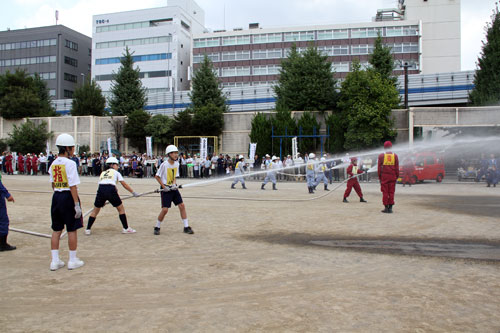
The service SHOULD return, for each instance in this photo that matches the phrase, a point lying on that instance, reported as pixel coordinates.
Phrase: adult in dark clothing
(220, 165)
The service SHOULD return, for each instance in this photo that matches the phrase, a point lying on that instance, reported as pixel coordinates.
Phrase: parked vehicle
(427, 166)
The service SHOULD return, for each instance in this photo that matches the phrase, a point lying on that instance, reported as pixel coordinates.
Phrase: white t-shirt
(167, 172)
(110, 177)
(64, 174)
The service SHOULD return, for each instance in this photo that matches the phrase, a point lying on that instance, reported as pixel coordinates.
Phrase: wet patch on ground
(473, 249)
(487, 206)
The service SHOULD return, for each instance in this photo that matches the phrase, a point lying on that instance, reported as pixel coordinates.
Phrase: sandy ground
(261, 265)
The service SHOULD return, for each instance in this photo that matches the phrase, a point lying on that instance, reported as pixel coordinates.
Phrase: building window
(207, 42)
(299, 36)
(404, 47)
(28, 44)
(267, 38)
(52, 93)
(198, 58)
(267, 54)
(68, 93)
(333, 34)
(365, 32)
(340, 67)
(266, 70)
(362, 49)
(235, 71)
(236, 40)
(145, 57)
(334, 50)
(70, 77)
(128, 26)
(71, 45)
(185, 25)
(133, 42)
(238, 55)
(27, 61)
(401, 31)
(48, 76)
(71, 61)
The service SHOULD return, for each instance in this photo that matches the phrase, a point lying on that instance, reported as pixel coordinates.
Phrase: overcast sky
(77, 14)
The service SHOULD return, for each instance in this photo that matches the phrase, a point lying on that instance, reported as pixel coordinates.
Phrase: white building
(160, 39)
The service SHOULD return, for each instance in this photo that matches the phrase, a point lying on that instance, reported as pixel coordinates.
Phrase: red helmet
(354, 159)
(388, 144)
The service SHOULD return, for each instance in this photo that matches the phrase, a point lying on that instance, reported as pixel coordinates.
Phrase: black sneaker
(188, 230)
(345, 200)
(157, 231)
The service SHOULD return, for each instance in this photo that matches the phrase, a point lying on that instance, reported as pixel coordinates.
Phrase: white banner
(203, 148)
(253, 148)
(294, 148)
(109, 146)
(47, 149)
(149, 146)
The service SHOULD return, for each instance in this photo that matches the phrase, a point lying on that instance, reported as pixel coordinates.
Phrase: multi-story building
(425, 34)
(160, 39)
(60, 55)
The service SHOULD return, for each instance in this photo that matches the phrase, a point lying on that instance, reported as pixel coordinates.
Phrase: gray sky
(77, 14)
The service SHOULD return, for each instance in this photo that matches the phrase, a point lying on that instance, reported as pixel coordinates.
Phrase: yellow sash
(108, 174)
(389, 159)
(60, 178)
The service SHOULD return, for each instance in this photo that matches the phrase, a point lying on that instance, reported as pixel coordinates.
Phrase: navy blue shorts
(63, 212)
(171, 196)
(107, 193)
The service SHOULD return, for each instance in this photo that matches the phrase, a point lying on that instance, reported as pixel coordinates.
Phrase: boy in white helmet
(107, 191)
(65, 210)
(320, 173)
(239, 169)
(311, 173)
(271, 173)
(165, 176)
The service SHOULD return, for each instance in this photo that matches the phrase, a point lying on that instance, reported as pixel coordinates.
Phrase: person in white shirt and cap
(271, 173)
(107, 191)
(239, 169)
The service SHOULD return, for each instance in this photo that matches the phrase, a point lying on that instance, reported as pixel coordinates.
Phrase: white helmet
(312, 155)
(65, 140)
(267, 155)
(274, 158)
(171, 149)
(241, 157)
(323, 159)
(112, 160)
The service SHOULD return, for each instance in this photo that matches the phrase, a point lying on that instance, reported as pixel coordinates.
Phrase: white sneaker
(128, 231)
(87, 232)
(75, 264)
(55, 265)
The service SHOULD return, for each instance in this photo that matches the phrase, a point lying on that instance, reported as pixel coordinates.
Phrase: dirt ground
(267, 265)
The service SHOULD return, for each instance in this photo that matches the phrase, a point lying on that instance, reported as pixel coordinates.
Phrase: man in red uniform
(408, 170)
(8, 164)
(388, 173)
(353, 170)
(20, 163)
(28, 164)
(34, 164)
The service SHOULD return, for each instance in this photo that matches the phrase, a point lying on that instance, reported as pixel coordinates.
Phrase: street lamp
(405, 66)
(83, 78)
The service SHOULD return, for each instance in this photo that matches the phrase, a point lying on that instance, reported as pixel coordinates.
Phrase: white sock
(186, 224)
(55, 255)
(72, 255)
(158, 224)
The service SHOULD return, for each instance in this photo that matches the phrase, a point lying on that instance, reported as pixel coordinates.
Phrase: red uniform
(353, 182)
(20, 164)
(408, 170)
(34, 162)
(8, 164)
(28, 164)
(388, 173)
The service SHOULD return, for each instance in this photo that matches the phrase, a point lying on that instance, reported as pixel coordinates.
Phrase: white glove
(135, 194)
(174, 187)
(78, 211)
(166, 189)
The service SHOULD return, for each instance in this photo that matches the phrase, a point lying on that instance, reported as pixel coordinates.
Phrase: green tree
(208, 101)
(306, 82)
(41, 90)
(366, 102)
(182, 123)
(88, 100)
(160, 128)
(29, 138)
(3, 145)
(23, 96)
(487, 78)
(208, 120)
(336, 124)
(283, 123)
(84, 149)
(135, 129)
(382, 61)
(308, 125)
(127, 93)
(260, 133)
